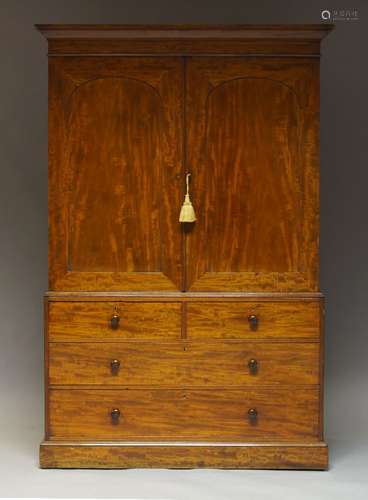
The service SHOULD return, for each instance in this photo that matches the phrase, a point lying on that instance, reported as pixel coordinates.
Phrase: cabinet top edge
(186, 31)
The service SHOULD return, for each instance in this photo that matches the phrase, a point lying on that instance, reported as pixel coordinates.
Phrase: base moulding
(124, 455)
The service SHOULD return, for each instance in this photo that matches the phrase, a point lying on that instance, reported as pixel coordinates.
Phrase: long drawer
(184, 363)
(104, 321)
(253, 320)
(262, 415)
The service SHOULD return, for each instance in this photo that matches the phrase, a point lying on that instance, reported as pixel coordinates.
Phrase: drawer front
(281, 415)
(252, 320)
(82, 321)
(178, 364)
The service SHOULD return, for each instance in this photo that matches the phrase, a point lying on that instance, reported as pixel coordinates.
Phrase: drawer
(82, 321)
(280, 415)
(251, 320)
(184, 363)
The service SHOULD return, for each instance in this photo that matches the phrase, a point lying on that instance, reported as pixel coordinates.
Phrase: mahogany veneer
(184, 345)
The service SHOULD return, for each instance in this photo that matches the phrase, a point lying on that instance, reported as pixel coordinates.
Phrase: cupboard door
(252, 148)
(115, 188)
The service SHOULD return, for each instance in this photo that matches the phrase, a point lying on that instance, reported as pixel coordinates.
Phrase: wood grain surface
(277, 170)
(91, 321)
(115, 166)
(184, 364)
(115, 173)
(270, 48)
(176, 455)
(283, 414)
(276, 320)
(252, 147)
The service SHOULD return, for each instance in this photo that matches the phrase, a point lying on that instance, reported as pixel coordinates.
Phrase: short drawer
(268, 320)
(184, 364)
(252, 416)
(102, 321)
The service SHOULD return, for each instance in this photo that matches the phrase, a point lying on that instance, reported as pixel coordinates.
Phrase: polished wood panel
(291, 320)
(179, 455)
(115, 188)
(91, 321)
(184, 364)
(266, 48)
(252, 150)
(126, 119)
(283, 414)
(237, 204)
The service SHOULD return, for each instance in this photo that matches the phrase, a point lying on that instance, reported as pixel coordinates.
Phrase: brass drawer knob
(115, 416)
(252, 415)
(115, 319)
(253, 322)
(115, 366)
(253, 366)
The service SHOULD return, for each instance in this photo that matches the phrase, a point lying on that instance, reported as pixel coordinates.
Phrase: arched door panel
(254, 176)
(116, 177)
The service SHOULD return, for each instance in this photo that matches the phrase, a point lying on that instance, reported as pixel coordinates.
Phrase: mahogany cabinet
(184, 344)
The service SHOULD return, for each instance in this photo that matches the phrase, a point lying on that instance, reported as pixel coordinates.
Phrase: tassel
(187, 213)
